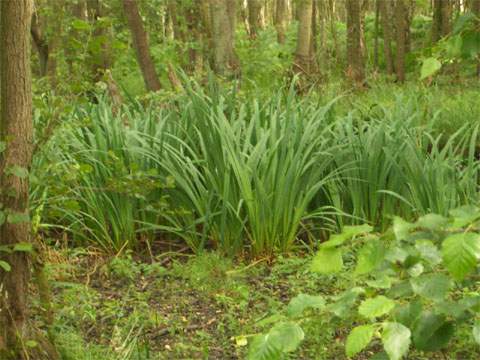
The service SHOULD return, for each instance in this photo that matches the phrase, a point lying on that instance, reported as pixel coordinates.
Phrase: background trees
(233, 37)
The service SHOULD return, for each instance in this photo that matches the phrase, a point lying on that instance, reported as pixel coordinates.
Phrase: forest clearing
(239, 179)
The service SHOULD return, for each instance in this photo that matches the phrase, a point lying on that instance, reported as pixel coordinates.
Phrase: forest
(239, 179)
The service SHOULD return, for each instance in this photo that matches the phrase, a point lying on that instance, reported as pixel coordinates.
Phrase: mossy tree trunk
(16, 136)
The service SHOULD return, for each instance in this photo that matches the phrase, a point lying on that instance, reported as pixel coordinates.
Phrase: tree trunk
(281, 20)
(140, 43)
(254, 17)
(16, 133)
(375, 39)
(302, 62)
(401, 24)
(387, 34)
(475, 5)
(101, 60)
(223, 16)
(355, 66)
(441, 19)
(41, 45)
(313, 40)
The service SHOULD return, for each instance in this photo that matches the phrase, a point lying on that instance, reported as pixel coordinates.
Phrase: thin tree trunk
(313, 40)
(254, 17)
(375, 40)
(333, 29)
(41, 45)
(475, 5)
(102, 60)
(355, 66)
(281, 20)
(401, 23)
(140, 43)
(302, 60)
(441, 19)
(223, 15)
(16, 133)
(387, 34)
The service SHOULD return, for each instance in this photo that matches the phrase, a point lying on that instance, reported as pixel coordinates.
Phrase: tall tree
(475, 6)
(442, 10)
(46, 34)
(140, 43)
(223, 18)
(302, 59)
(254, 17)
(355, 62)
(384, 8)
(401, 32)
(16, 135)
(101, 58)
(281, 20)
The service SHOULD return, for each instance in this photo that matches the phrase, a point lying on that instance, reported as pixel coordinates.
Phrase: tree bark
(281, 20)
(16, 134)
(401, 24)
(40, 44)
(441, 19)
(223, 17)
(302, 62)
(387, 34)
(254, 17)
(475, 6)
(355, 65)
(140, 43)
(101, 60)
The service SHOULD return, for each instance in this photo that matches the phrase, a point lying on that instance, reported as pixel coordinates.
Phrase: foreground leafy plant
(413, 288)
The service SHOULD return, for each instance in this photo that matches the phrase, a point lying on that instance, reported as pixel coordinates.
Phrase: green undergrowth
(205, 307)
(225, 169)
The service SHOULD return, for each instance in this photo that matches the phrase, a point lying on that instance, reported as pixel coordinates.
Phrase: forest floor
(180, 306)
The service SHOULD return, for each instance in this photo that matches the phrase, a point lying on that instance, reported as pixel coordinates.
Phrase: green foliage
(411, 293)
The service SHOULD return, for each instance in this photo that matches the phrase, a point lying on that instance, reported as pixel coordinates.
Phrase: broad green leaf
(429, 252)
(401, 289)
(460, 253)
(464, 215)
(432, 332)
(370, 256)
(376, 307)
(416, 270)
(2, 217)
(476, 332)
(327, 261)
(23, 247)
(358, 339)
(261, 348)
(432, 222)
(17, 218)
(286, 336)
(5, 266)
(429, 67)
(396, 340)
(407, 314)
(401, 228)
(347, 233)
(383, 282)
(396, 255)
(343, 303)
(432, 286)
(304, 301)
